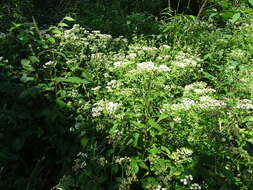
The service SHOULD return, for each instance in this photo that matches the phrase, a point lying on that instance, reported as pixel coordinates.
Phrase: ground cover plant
(164, 110)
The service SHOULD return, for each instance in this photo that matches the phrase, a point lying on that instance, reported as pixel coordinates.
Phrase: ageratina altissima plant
(156, 121)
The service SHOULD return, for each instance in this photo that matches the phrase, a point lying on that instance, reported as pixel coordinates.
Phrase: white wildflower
(120, 63)
(158, 187)
(185, 60)
(177, 120)
(146, 66)
(207, 101)
(49, 63)
(163, 68)
(198, 88)
(131, 56)
(150, 66)
(98, 108)
(165, 46)
(245, 104)
(195, 186)
(96, 88)
(120, 160)
(112, 107)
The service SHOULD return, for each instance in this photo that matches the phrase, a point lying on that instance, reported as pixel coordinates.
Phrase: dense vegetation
(128, 95)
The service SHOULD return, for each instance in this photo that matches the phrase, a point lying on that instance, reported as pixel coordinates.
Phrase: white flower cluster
(102, 161)
(177, 119)
(120, 63)
(186, 60)
(120, 160)
(150, 66)
(49, 64)
(80, 162)
(186, 179)
(71, 33)
(209, 102)
(186, 104)
(245, 104)
(195, 186)
(203, 102)
(165, 47)
(237, 53)
(199, 88)
(112, 85)
(73, 93)
(163, 57)
(142, 48)
(98, 108)
(104, 106)
(182, 155)
(159, 187)
(131, 56)
(96, 88)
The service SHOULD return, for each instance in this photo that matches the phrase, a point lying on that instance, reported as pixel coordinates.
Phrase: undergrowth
(81, 109)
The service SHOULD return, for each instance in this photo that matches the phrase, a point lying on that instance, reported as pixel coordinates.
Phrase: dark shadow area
(36, 145)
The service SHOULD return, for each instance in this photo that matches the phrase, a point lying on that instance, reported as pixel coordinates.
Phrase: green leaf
(235, 17)
(165, 149)
(34, 59)
(72, 80)
(56, 31)
(68, 19)
(62, 24)
(143, 165)
(172, 124)
(227, 15)
(133, 168)
(155, 125)
(136, 138)
(51, 40)
(84, 141)
(60, 103)
(25, 61)
(149, 181)
(154, 151)
(250, 2)
(162, 117)
(26, 65)
(174, 171)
